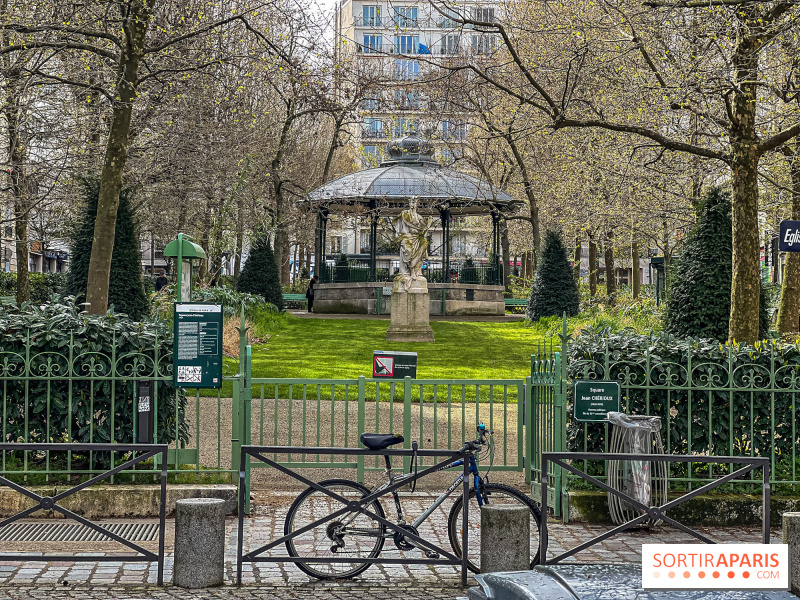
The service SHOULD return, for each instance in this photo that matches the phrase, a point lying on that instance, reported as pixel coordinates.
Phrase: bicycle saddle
(379, 441)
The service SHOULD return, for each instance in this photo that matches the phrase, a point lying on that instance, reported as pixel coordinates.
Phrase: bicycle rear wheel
(495, 493)
(350, 535)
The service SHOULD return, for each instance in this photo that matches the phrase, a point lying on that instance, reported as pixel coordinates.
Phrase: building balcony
(402, 23)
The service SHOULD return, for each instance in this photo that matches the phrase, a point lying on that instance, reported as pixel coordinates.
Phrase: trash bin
(643, 481)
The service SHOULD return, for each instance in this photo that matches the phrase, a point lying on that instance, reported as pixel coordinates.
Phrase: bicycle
(357, 535)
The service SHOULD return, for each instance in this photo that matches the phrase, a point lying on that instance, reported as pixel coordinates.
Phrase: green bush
(699, 298)
(554, 291)
(468, 272)
(125, 289)
(260, 273)
(43, 285)
(727, 408)
(62, 370)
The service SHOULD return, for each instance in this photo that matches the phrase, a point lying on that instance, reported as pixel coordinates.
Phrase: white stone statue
(412, 233)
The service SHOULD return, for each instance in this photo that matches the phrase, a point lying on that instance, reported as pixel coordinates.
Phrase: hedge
(70, 356)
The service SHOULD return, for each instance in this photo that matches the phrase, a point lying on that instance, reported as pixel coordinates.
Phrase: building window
(403, 126)
(404, 99)
(372, 16)
(372, 43)
(373, 128)
(458, 242)
(365, 249)
(448, 18)
(405, 16)
(484, 15)
(449, 45)
(406, 44)
(406, 70)
(371, 103)
(483, 44)
(454, 130)
(335, 244)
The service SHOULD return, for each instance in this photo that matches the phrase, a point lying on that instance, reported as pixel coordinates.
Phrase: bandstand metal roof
(412, 172)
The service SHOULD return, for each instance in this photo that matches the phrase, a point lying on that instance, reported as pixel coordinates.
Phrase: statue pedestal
(410, 313)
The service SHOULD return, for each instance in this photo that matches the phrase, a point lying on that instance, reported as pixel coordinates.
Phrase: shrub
(125, 289)
(554, 291)
(468, 273)
(699, 299)
(73, 358)
(43, 285)
(260, 273)
(706, 393)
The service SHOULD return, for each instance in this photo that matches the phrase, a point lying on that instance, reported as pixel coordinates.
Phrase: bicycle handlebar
(482, 439)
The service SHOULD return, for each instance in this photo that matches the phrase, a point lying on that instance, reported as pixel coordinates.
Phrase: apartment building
(400, 39)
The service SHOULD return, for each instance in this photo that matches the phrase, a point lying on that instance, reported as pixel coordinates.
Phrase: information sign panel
(789, 240)
(197, 354)
(595, 399)
(394, 365)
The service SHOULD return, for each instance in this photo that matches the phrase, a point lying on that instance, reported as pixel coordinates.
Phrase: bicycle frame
(392, 479)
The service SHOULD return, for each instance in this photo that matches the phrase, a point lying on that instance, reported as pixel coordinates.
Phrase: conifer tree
(699, 298)
(125, 288)
(554, 291)
(260, 273)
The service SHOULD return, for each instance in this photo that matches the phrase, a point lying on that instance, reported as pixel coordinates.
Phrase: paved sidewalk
(102, 579)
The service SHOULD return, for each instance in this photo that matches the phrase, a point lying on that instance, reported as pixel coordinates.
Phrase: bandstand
(410, 172)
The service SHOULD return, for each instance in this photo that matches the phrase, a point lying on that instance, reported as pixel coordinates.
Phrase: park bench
(295, 299)
(516, 303)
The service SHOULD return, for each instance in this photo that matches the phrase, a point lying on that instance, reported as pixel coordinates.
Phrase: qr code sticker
(189, 374)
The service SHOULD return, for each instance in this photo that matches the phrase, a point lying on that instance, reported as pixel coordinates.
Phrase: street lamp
(185, 251)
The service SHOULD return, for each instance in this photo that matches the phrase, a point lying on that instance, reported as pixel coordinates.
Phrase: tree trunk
(789, 309)
(592, 267)
(533, 204)
(506, 253)
(524, 266)
(611, 272)
(576, 268)
(281, 241)
(746, 285)
(285, 265)
(17, 153)
(134, 26)
(636, 278)
(237, 260)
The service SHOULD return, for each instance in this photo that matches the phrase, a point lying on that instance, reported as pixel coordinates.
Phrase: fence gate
(546, 422)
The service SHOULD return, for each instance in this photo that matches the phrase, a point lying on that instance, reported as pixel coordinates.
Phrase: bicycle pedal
(431, 554)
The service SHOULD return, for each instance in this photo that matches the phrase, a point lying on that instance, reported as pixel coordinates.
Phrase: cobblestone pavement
(102, 579)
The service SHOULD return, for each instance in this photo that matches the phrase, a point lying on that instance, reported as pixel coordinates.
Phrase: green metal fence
(733, 406)
(76, 393)
(437, 413)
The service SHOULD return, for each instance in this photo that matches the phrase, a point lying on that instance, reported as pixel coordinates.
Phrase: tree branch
(59, 46)
(660, 138)
(66, 29)
(778, 139)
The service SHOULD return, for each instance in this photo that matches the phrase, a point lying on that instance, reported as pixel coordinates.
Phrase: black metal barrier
(51, 502)
(350, 507)
(648, 512)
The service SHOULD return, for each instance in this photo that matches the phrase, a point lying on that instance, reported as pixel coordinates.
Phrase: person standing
(310, 292)
(161, 281)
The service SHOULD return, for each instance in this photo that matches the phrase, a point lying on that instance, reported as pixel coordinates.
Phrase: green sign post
(197, 354)
(595, 399)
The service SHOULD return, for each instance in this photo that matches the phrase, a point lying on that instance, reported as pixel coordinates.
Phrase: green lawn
(342, 349)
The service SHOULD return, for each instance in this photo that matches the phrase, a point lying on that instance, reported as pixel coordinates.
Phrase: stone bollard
(505, 538)
(791, 536)
(199, 542)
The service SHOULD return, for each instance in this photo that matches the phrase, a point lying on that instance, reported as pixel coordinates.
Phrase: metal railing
(148, 451)
(76, 394)
(564, 460)
(334, 412)
(346, 506)
(466, 272)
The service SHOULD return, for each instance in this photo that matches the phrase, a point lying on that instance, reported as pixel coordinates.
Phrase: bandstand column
(445, 216)
(496, 246)
(319, 244)
(373, 238)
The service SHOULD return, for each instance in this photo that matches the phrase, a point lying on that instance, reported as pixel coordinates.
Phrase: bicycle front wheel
(494, 493)
(349, 535)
